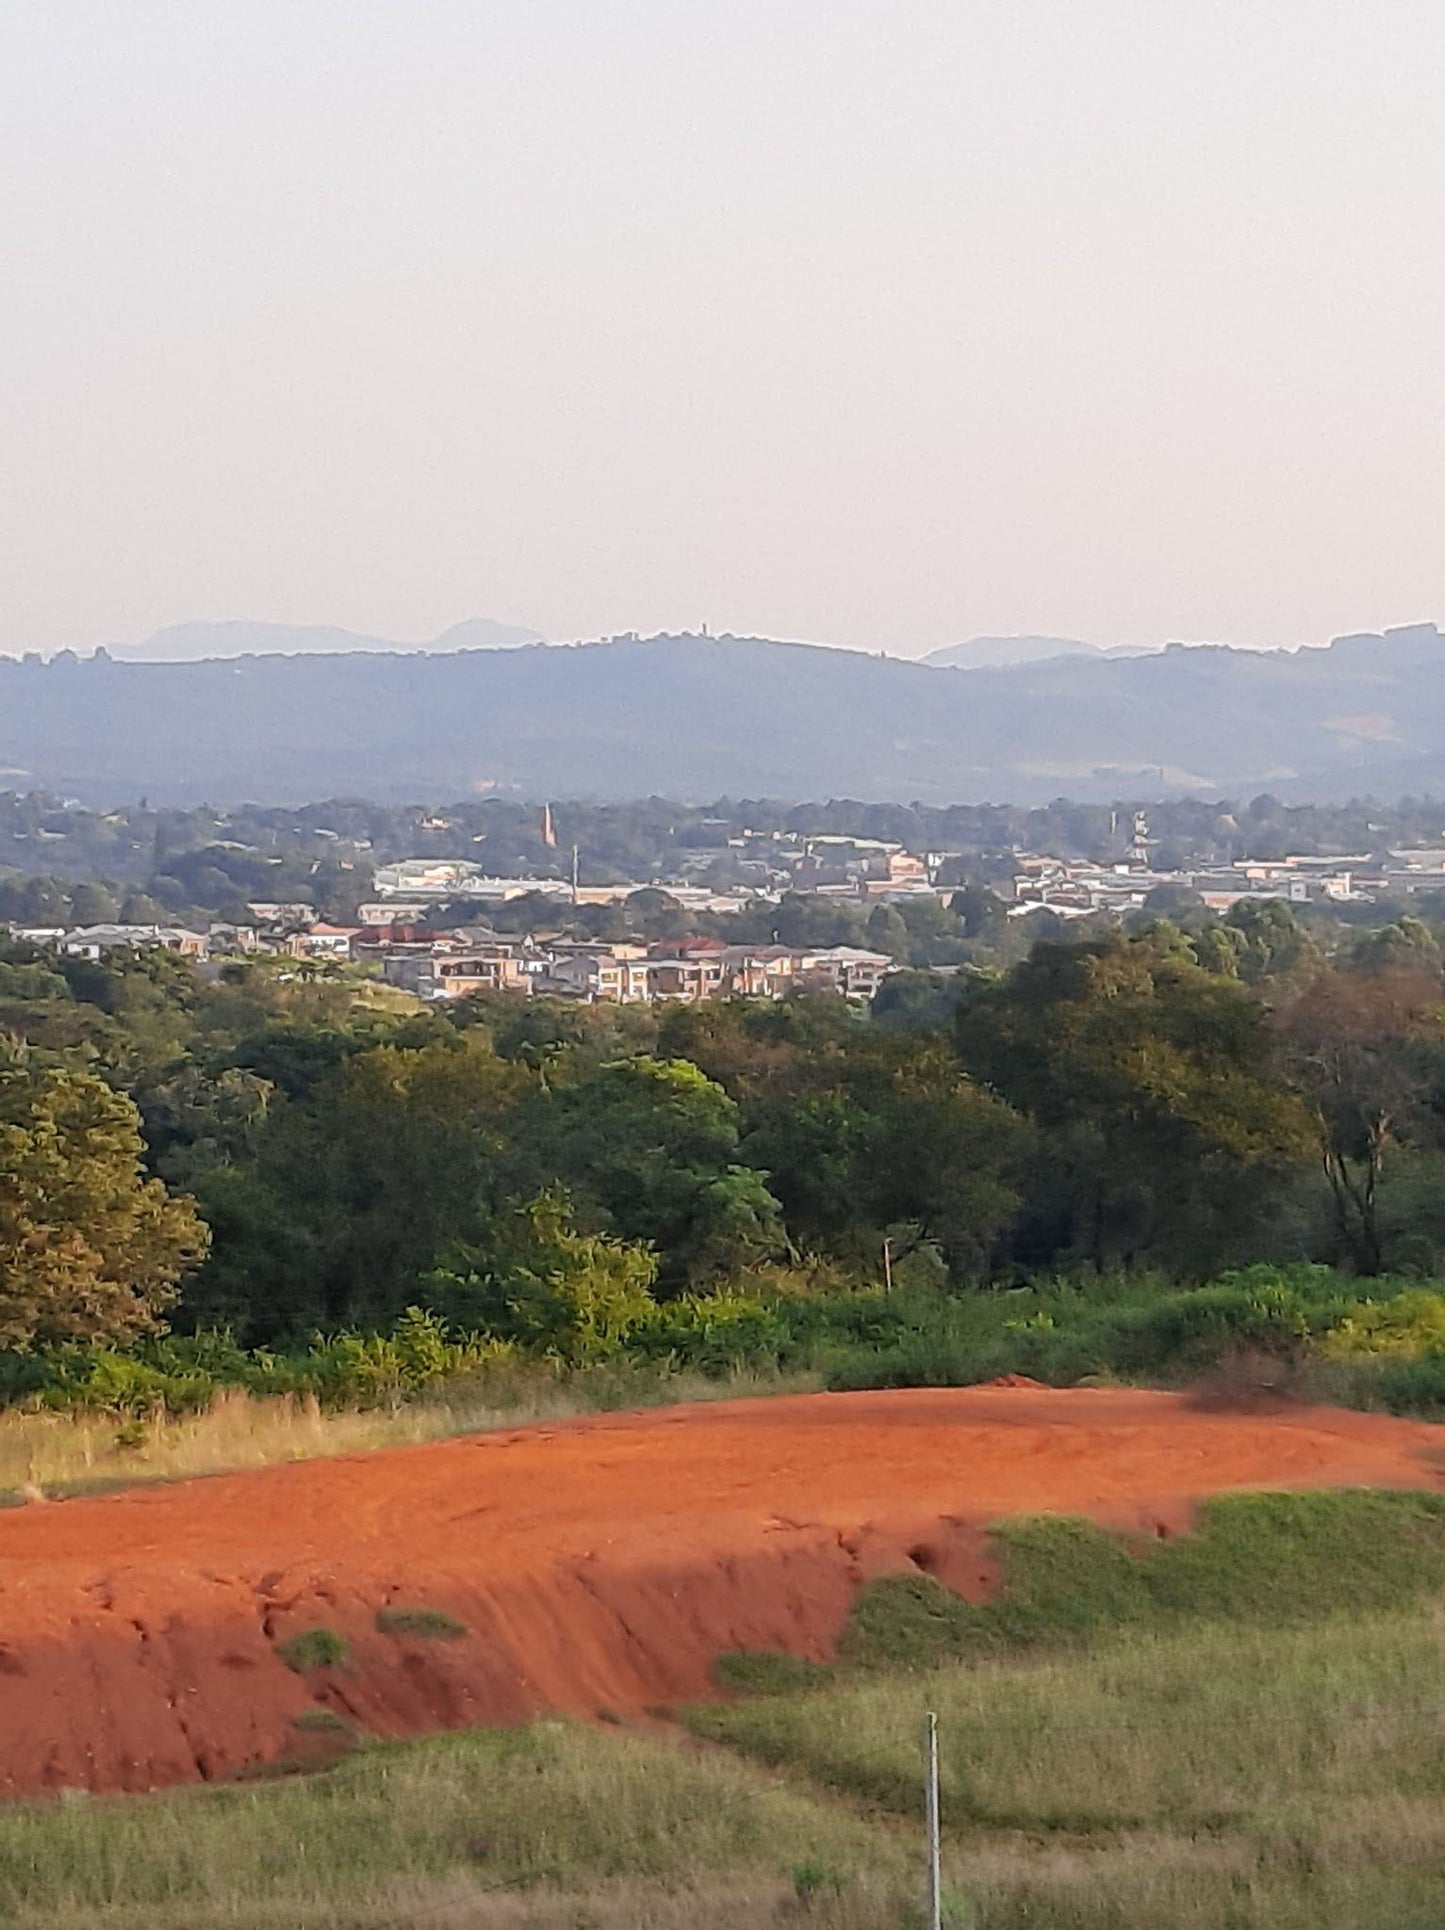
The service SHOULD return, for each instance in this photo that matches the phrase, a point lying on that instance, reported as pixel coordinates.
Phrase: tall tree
(650, 1150)
(1164, 1119)
(90, 1249)
(1365, 1047)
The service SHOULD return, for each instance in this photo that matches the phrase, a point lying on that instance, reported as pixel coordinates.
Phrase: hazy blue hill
(192, 642)
(993, 653)
(697, 717)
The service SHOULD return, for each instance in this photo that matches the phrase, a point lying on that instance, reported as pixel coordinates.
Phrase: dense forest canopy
(303, 1156)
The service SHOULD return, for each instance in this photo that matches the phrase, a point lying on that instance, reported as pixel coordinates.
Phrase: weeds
(423, 1624)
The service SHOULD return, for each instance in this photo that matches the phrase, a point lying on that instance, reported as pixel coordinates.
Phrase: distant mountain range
(997, 653)
(699, 717)
(193, 642)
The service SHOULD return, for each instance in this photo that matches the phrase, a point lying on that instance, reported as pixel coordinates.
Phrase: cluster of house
(93, 941)
(401, 937)
(1079, 890)
(446, 964)
(453, 965)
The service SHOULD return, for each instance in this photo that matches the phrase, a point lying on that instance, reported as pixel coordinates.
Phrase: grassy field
(1239, 1730)
(552, 1828)
(1220, 1775)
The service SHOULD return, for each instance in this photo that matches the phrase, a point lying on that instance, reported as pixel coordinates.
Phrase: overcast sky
(880, 324)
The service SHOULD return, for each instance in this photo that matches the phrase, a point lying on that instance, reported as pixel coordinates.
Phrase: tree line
(63, 862)
(282, 1158)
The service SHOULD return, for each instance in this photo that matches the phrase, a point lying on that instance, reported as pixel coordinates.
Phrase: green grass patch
(1273, 1559)
(1205, 1775)
(321, 1722)
(589, 1825)
(1235, 1728)
(424, 1624)
(767, 1672)
(314, 1648)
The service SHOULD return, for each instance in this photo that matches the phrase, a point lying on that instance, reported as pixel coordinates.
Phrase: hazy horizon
(879, 327)
(210, 638)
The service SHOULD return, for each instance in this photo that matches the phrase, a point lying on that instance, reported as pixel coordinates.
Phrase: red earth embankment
(601, 1564)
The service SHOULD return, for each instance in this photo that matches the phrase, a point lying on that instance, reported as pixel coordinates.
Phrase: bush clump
(314, 1648)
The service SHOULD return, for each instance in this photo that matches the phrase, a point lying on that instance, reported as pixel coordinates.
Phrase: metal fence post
(930, 1811)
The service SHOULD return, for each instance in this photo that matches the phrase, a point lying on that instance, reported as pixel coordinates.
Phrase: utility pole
(887, 1266)
(930, 1814)
(574, 874)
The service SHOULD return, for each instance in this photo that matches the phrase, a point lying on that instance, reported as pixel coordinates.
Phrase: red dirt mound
(602, 1564)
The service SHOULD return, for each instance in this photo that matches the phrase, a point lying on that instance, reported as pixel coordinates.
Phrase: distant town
(737, 910)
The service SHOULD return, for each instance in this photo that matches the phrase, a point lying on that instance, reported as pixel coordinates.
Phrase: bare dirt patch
(600, 1564)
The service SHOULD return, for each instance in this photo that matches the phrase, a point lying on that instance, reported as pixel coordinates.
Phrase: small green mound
(1258, 1558)
(314, 1648)
(321, 1722)
(429, 1624)
(767, 1672)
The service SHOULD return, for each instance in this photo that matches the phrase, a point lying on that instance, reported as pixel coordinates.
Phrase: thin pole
(888, 1266)
(930, 1812)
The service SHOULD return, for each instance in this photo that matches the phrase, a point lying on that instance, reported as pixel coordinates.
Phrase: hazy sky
(881, 324)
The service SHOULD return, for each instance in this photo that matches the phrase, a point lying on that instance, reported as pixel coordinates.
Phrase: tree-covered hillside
(695, 717)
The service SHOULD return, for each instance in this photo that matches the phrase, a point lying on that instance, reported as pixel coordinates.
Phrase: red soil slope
(598, 1565)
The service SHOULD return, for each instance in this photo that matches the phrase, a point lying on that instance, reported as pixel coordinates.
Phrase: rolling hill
(697, 717)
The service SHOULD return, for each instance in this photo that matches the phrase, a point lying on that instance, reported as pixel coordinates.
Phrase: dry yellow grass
(57, 1453)
(44, 1453)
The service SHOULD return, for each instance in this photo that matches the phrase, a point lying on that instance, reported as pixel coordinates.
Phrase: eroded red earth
(600, 1564)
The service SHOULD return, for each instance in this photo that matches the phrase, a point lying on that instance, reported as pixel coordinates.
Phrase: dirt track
(596, 1565)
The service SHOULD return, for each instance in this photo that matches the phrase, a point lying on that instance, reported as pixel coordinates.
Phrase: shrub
(1065, 1334)
(577, 1296)
(182, 1374)
(1410, 1325)
(1414, 1386)
(314, 1648)
(811, 1880)
(713, 1332)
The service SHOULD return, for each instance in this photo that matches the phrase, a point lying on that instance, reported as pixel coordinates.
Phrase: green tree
(652, 1147)
(863, 1129)
(1365, 1048)
(540, 1282)
(1273, 942)
(1165, 1120)
(359, 1187)
(889, 1136)
(1407, 945)
(90, 1249)
(886, 932)
(981, 912)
